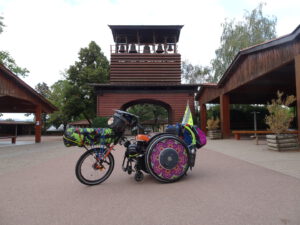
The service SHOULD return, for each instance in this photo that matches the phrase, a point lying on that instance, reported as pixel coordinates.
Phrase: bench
(237, 133)
(13, 138)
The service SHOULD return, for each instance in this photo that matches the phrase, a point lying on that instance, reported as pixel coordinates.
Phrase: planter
(282, 142)
(214, 134)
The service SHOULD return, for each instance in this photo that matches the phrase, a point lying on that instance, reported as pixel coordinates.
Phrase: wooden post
(38, 123)
(203, 118)
(225, 115)
(297, 74)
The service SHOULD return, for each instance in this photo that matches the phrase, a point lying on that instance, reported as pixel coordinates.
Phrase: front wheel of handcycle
(92, 168)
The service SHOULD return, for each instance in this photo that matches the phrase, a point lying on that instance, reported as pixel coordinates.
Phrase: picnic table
(237, 133)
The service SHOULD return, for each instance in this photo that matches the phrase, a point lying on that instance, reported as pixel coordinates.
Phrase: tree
(149, 112)
(195, 74)
(1, 24)
(58, 98)
(10, 63)
(254, 29)
(43, 89)
(92, 67)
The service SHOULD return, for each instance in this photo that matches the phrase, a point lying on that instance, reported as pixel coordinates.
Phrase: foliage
(213, 124)
(213, 111)
(194, 74)
(255, 28)
(242, 117)
(1, 24)
(149, 112)
(280, 116)
(10, 63)
(58, 98)
(92, 67)
(43, 89)
(100, 122)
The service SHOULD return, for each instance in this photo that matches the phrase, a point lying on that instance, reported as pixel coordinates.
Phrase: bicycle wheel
(92, 169)
(167, 158)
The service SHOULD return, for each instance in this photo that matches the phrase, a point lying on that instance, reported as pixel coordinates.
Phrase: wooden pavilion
(254, 77)
(18, 97)
(145, 68)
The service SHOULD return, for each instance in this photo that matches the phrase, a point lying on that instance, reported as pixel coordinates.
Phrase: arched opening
(154, 115)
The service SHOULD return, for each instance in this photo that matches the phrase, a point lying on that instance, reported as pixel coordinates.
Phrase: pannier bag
(192, 135)
(88, 136)
(174, 129)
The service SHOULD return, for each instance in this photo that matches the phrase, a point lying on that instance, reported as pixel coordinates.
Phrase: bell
(122, 49)
(146, 49)
(132, 49)
(159, 49)
(170, 48)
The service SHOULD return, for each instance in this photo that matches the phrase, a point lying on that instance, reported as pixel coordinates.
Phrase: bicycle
(165, 156)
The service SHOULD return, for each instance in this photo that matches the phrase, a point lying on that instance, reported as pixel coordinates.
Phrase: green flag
(188, 118)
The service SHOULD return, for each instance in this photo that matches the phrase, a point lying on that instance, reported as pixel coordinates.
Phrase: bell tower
(145, 67)
(145, 54)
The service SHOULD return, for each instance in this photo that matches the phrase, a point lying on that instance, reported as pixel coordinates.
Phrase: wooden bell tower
(145, 68)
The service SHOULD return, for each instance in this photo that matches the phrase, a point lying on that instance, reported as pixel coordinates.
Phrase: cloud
(45, 36)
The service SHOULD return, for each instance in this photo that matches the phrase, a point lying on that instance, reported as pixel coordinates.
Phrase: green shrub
(100, 122)
(280, 116)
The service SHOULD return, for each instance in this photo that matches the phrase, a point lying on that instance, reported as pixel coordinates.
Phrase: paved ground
(284, 162)
(38, 186)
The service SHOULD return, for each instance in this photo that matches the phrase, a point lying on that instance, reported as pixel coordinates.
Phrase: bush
(100, 122)
(213, 124)
(280, 116)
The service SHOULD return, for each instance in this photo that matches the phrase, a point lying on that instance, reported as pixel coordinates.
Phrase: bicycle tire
(96, 167)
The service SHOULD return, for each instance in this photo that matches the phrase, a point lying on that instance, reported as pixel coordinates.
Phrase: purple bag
(201, 140)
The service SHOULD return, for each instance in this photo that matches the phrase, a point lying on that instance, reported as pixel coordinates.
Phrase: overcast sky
(45, 36)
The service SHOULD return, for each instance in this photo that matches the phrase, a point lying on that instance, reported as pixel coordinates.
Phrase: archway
(153, 114)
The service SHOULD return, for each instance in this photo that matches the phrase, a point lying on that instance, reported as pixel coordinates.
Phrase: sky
(45, 36)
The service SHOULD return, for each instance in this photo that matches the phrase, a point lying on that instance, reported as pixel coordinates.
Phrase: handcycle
(165, 156)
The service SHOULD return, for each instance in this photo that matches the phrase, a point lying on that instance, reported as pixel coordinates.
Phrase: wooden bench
(237, 133)
(13, 138)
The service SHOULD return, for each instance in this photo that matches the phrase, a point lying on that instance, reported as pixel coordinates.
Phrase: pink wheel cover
(158, 169)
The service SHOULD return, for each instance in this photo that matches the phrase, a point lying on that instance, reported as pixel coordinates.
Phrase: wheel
(91, 169)
(139, 176)
(167, 158)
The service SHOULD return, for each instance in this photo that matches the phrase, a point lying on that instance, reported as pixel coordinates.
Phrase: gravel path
(38, 187)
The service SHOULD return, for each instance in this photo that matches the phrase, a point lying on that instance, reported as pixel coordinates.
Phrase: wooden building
(254, 77)
(15, 128)
(18, 97)
(145, 68)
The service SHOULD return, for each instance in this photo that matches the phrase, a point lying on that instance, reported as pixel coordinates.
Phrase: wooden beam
(225, 115)
(203, 118)
(297, 74)
(38, 124)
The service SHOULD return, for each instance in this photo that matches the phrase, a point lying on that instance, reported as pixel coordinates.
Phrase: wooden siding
(15, 96)
(145, 68)
(250, 67)
(258, 64)
(108, 102)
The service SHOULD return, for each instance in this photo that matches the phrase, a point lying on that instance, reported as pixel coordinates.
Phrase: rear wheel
(92, 168)
(167, 158)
